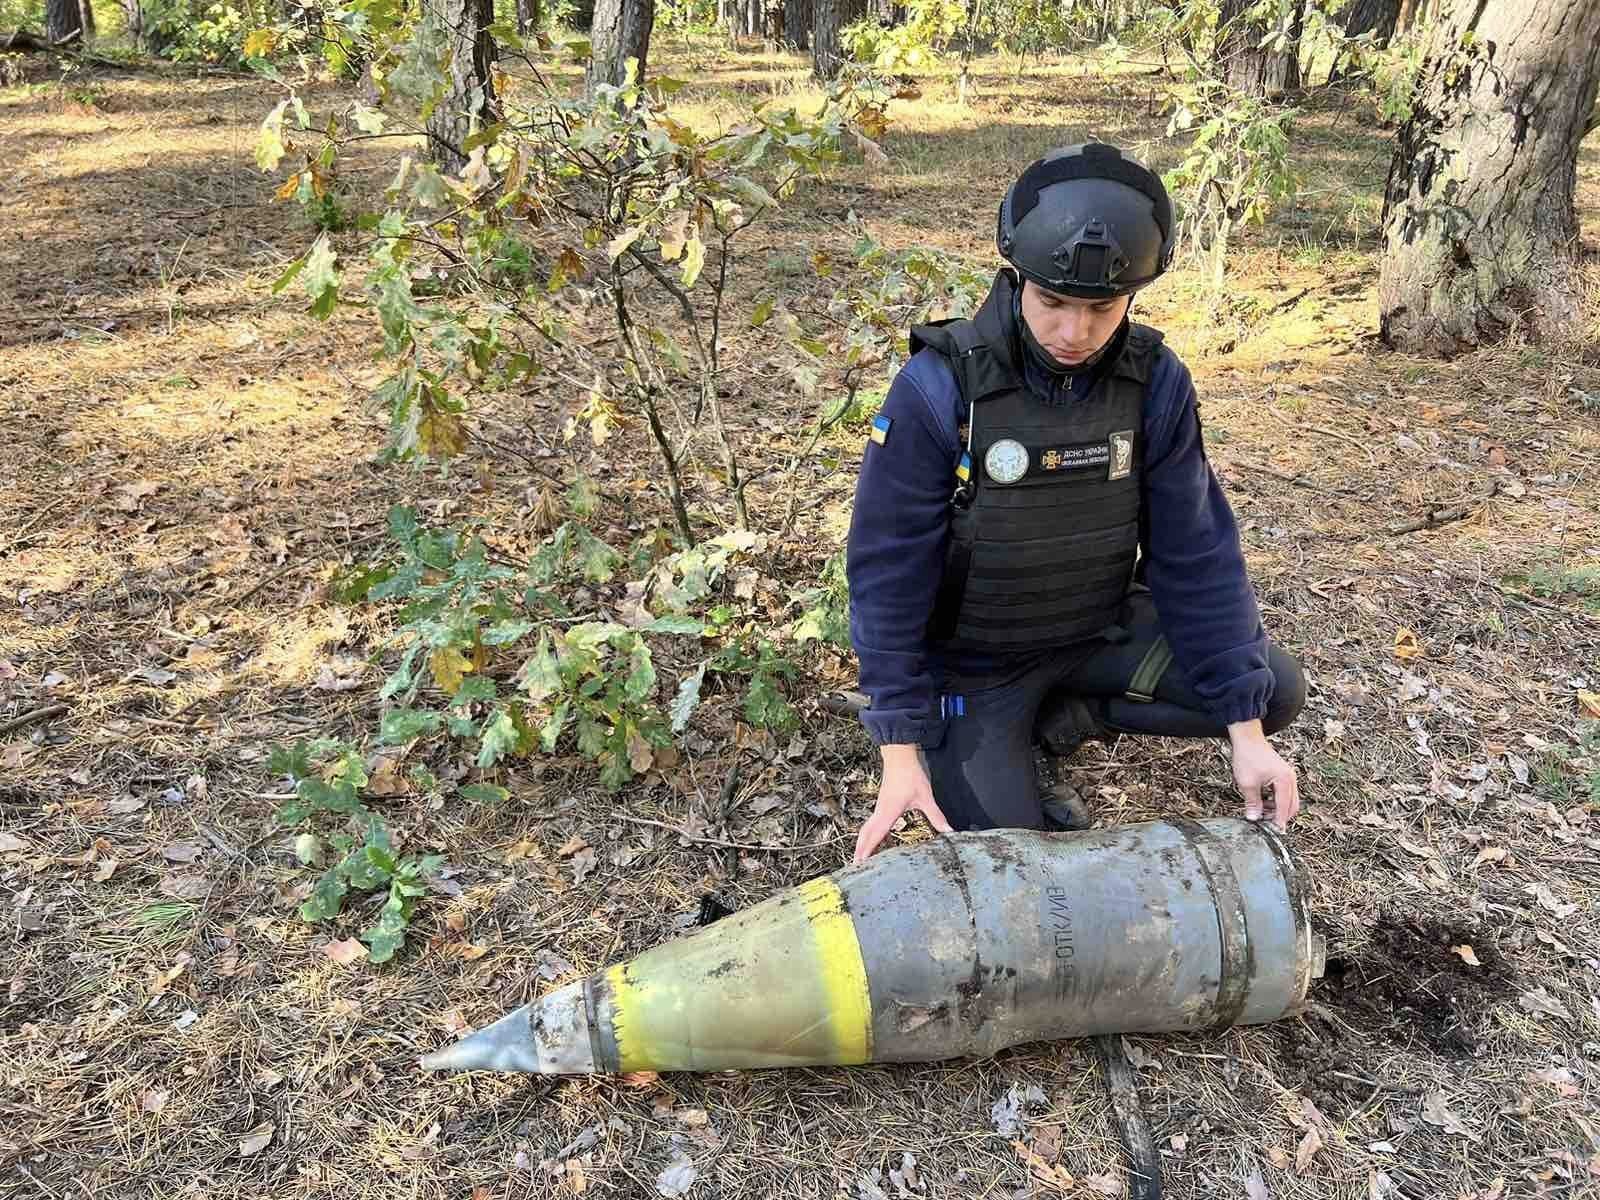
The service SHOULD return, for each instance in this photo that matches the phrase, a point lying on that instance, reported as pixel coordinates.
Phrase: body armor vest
(1044, 534)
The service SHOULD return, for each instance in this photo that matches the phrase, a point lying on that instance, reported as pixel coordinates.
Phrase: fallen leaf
(1406, 644)
(10, 843)
(1420, 851)
(1541, 1001)
(185, 887)
(1255, 1188)
(105, 870)
(153, 1101)
(1467, 955)
(268, 1078)
(123, 805)
(677, 1177)
(1436, 1111)
(571, 846)
(1278, 1157)
(256, 1140)
(182, 852)
(469, 951)
(1490, 854)
(187, 1018)
(639, 1079)
(1179, 1142)
(1559, 1078)
(694, 1118)
(346, 952)
(155, 675)
(1589, 702)
(583, 863)
(129, 495)
(384, 779)
(1105, 1185)
(870, 149)
(1307, 1149)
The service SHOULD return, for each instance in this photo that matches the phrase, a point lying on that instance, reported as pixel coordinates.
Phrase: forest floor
(187, 459)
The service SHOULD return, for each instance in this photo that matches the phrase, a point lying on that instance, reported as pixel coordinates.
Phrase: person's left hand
(1257, 767)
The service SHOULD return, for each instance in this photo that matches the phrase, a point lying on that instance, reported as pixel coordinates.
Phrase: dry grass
(188, 459)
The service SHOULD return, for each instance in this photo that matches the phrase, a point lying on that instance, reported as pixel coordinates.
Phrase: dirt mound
(1411, 984)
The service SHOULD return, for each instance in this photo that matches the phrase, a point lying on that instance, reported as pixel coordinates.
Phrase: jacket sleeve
(896, 552)
(1194, 564)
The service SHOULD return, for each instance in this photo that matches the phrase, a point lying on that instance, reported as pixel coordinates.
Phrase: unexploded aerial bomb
(959, 945)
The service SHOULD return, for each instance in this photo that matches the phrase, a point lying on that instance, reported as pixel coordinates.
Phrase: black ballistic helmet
(1085, 221)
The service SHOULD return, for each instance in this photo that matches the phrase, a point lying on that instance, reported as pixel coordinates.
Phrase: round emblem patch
(1006, 461)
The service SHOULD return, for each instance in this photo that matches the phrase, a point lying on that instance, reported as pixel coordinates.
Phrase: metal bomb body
(957, 946)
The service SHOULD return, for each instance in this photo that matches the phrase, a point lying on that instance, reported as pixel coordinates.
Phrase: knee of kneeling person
(1288, 691)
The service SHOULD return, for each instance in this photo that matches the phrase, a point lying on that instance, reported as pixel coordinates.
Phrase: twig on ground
(1144, 1162)
(1443, 516)
(705, 841)
(47, 713)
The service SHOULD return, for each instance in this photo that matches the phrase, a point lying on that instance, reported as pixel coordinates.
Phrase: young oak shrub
(568, 211)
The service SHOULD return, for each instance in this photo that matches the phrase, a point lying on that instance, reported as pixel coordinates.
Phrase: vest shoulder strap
(1139, 352)
(954, 338)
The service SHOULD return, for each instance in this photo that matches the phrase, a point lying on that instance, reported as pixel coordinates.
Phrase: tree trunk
(829, 19)
(621, 31)
(530, 14)
(797, 23)
(1239, 58)
(1479, 226)
(1377, 17)
(64, 21)
(469, 89)
(1235, 55)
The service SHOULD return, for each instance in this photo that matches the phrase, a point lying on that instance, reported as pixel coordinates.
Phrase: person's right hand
(905, 786)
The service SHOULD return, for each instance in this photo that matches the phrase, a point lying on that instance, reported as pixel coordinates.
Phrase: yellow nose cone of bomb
(781, 984)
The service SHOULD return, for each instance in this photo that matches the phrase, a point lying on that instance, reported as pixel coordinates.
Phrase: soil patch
(1406, 984)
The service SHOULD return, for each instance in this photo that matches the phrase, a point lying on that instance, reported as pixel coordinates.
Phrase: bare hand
(905, 786)
(1257, 768)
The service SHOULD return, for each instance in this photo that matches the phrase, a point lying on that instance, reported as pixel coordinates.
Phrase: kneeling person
(1039, 549)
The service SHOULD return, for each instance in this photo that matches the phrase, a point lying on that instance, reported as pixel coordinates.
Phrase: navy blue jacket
(1189, 551)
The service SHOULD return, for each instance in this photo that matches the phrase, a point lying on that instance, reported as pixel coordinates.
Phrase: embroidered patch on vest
(880, 428)
(1121, 454)
(1074, 458)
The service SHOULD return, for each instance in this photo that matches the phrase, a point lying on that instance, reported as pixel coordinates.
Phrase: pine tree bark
(469, 88)
(1239, 58)
(1377, 17)
(621, 31)
(68, 21)
(1479, 225)
(829, 18)
(797, 23)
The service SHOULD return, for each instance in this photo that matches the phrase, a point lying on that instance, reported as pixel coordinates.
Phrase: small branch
(48, 713)
(702, 841)
(1443, 516)
(1144, 1162)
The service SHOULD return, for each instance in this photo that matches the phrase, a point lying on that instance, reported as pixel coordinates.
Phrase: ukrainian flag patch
(880, 428)
(964, 468)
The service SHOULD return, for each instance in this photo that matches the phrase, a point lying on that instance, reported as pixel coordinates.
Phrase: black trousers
(983, 774)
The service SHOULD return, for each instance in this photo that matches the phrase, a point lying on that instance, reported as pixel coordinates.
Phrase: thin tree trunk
(621, 31)
(64, 23)
(1374, 18)
(1377, 17)
(969, 43)
(1236, 55)
(469, 87)
(1479, 225)
(797, 23)
(1240, 59)
(829, 20)
(530, 15)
